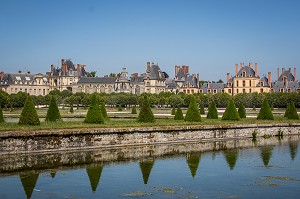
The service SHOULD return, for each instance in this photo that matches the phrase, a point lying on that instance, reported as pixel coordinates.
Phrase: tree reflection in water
(146, 167)
(29, 180)
(94, 173)
(193, 160)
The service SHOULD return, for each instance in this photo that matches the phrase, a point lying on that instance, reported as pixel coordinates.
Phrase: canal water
(265, 168)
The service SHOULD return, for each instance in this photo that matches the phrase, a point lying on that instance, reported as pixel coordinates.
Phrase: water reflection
(94, 173)
(266, 154)
(146, 166)
(135, 179)
(231, 156)
(29, 180)
(193, 160)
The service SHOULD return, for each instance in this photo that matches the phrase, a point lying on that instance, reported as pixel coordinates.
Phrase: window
(261, 83)
(18, 78)
(261, 90)
(244, 74)
(250, 90)
(208, 90)
(250, 83)
(192, 91)
(201, 91)
(237, 90)
(237, 83)
(27, 78)
(288, 90)
(229, 90)
(215, 90)
(281, 90)
(244, 83)
(244, 90)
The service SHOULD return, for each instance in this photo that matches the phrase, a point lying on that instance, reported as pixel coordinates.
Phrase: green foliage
(231, 112)
(173, 111)
(193, 114)
(193, 160)
(178, 114)
(175, 100)
(53, 112)
(254, 108)
(71, 109)
(1, 115)
(265, 112)
(254, 134)
(145, 115)
(29, 115)
(242, 111)
(103, 111)
(280, 133)
(120, 107)
(291, 112)
(94, 113)
(212, 111)
(202, 110)
(133, 111)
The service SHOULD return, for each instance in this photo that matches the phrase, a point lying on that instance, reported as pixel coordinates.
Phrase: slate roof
(155, 74)
(172, 85)
(288, 75)
(180, 75)
(138, 79)
(212, 86)
(192, 81)
(97, 80)
(249, 72)
(291, 85)
(11, 78)
(265, 81)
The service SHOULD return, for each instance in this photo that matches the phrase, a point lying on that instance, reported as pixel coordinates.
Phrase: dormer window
(27, 78)
(18, 78)
(244, 74)
(261, 83)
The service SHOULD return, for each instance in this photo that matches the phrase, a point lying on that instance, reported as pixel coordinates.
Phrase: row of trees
(66, 97)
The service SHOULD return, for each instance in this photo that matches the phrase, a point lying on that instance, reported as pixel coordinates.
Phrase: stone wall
(42, 141)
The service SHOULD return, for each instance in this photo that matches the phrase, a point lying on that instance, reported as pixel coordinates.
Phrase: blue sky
(210, 36)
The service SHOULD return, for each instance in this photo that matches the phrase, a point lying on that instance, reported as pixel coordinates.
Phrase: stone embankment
(72, 139)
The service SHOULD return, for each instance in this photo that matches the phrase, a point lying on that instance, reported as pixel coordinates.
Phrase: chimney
(1, 75)
(295, 74)
(236, 69)
(250, 64)
(185, 69)
(290, 70)
(227, 77)
(177, 68)
(148, 66)
(269, 78)
(84, 67)
(52, 67)
(62, 62)
(48, 74)
(78, 69)
(241, 65)
(208, 85)
(256, 70)
(198, 77)
(278, 73)
(282, 71)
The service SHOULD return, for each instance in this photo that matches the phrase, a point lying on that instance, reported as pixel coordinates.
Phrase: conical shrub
(53, 112)
(292, 114)
(1, 115)
(29, 115)
(242, 111)
(212, 111)
(94, 113)
(103, 111)
(231, 112)
(202, 110)
(287, 110)
(193, 114)
(265, 112)
(178, 114)
(133, 110)
(145, 115)
(173, 112)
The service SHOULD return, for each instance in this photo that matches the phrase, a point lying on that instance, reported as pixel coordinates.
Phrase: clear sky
(210, 36)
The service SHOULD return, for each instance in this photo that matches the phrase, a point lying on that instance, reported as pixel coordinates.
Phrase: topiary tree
(53, 112)
(71, 109)
(292, 113)
(265, 112)
(133, 111)
(287, 110)
(212, 111)
(178, 114)
(145, 115)
(202, 110)
(29, 115)
(193, 114)
(242, 111)
(120, 107)
(231, 112)
(173, 112)
(103, 111)
(1, 115)
(94, 113)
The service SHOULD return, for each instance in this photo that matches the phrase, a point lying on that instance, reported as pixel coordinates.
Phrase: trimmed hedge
(103, 111)
(94, 113)
(265, 112)
(145, 115)
(193, 114)
(231, 112)
(178, 114)
(287, 110)
(291, 112)
(212, 111)
(29, 115)
(242, 111)
(133, 111)
(173, 112)
(1, 115)
(202, 110)
(53, 112)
